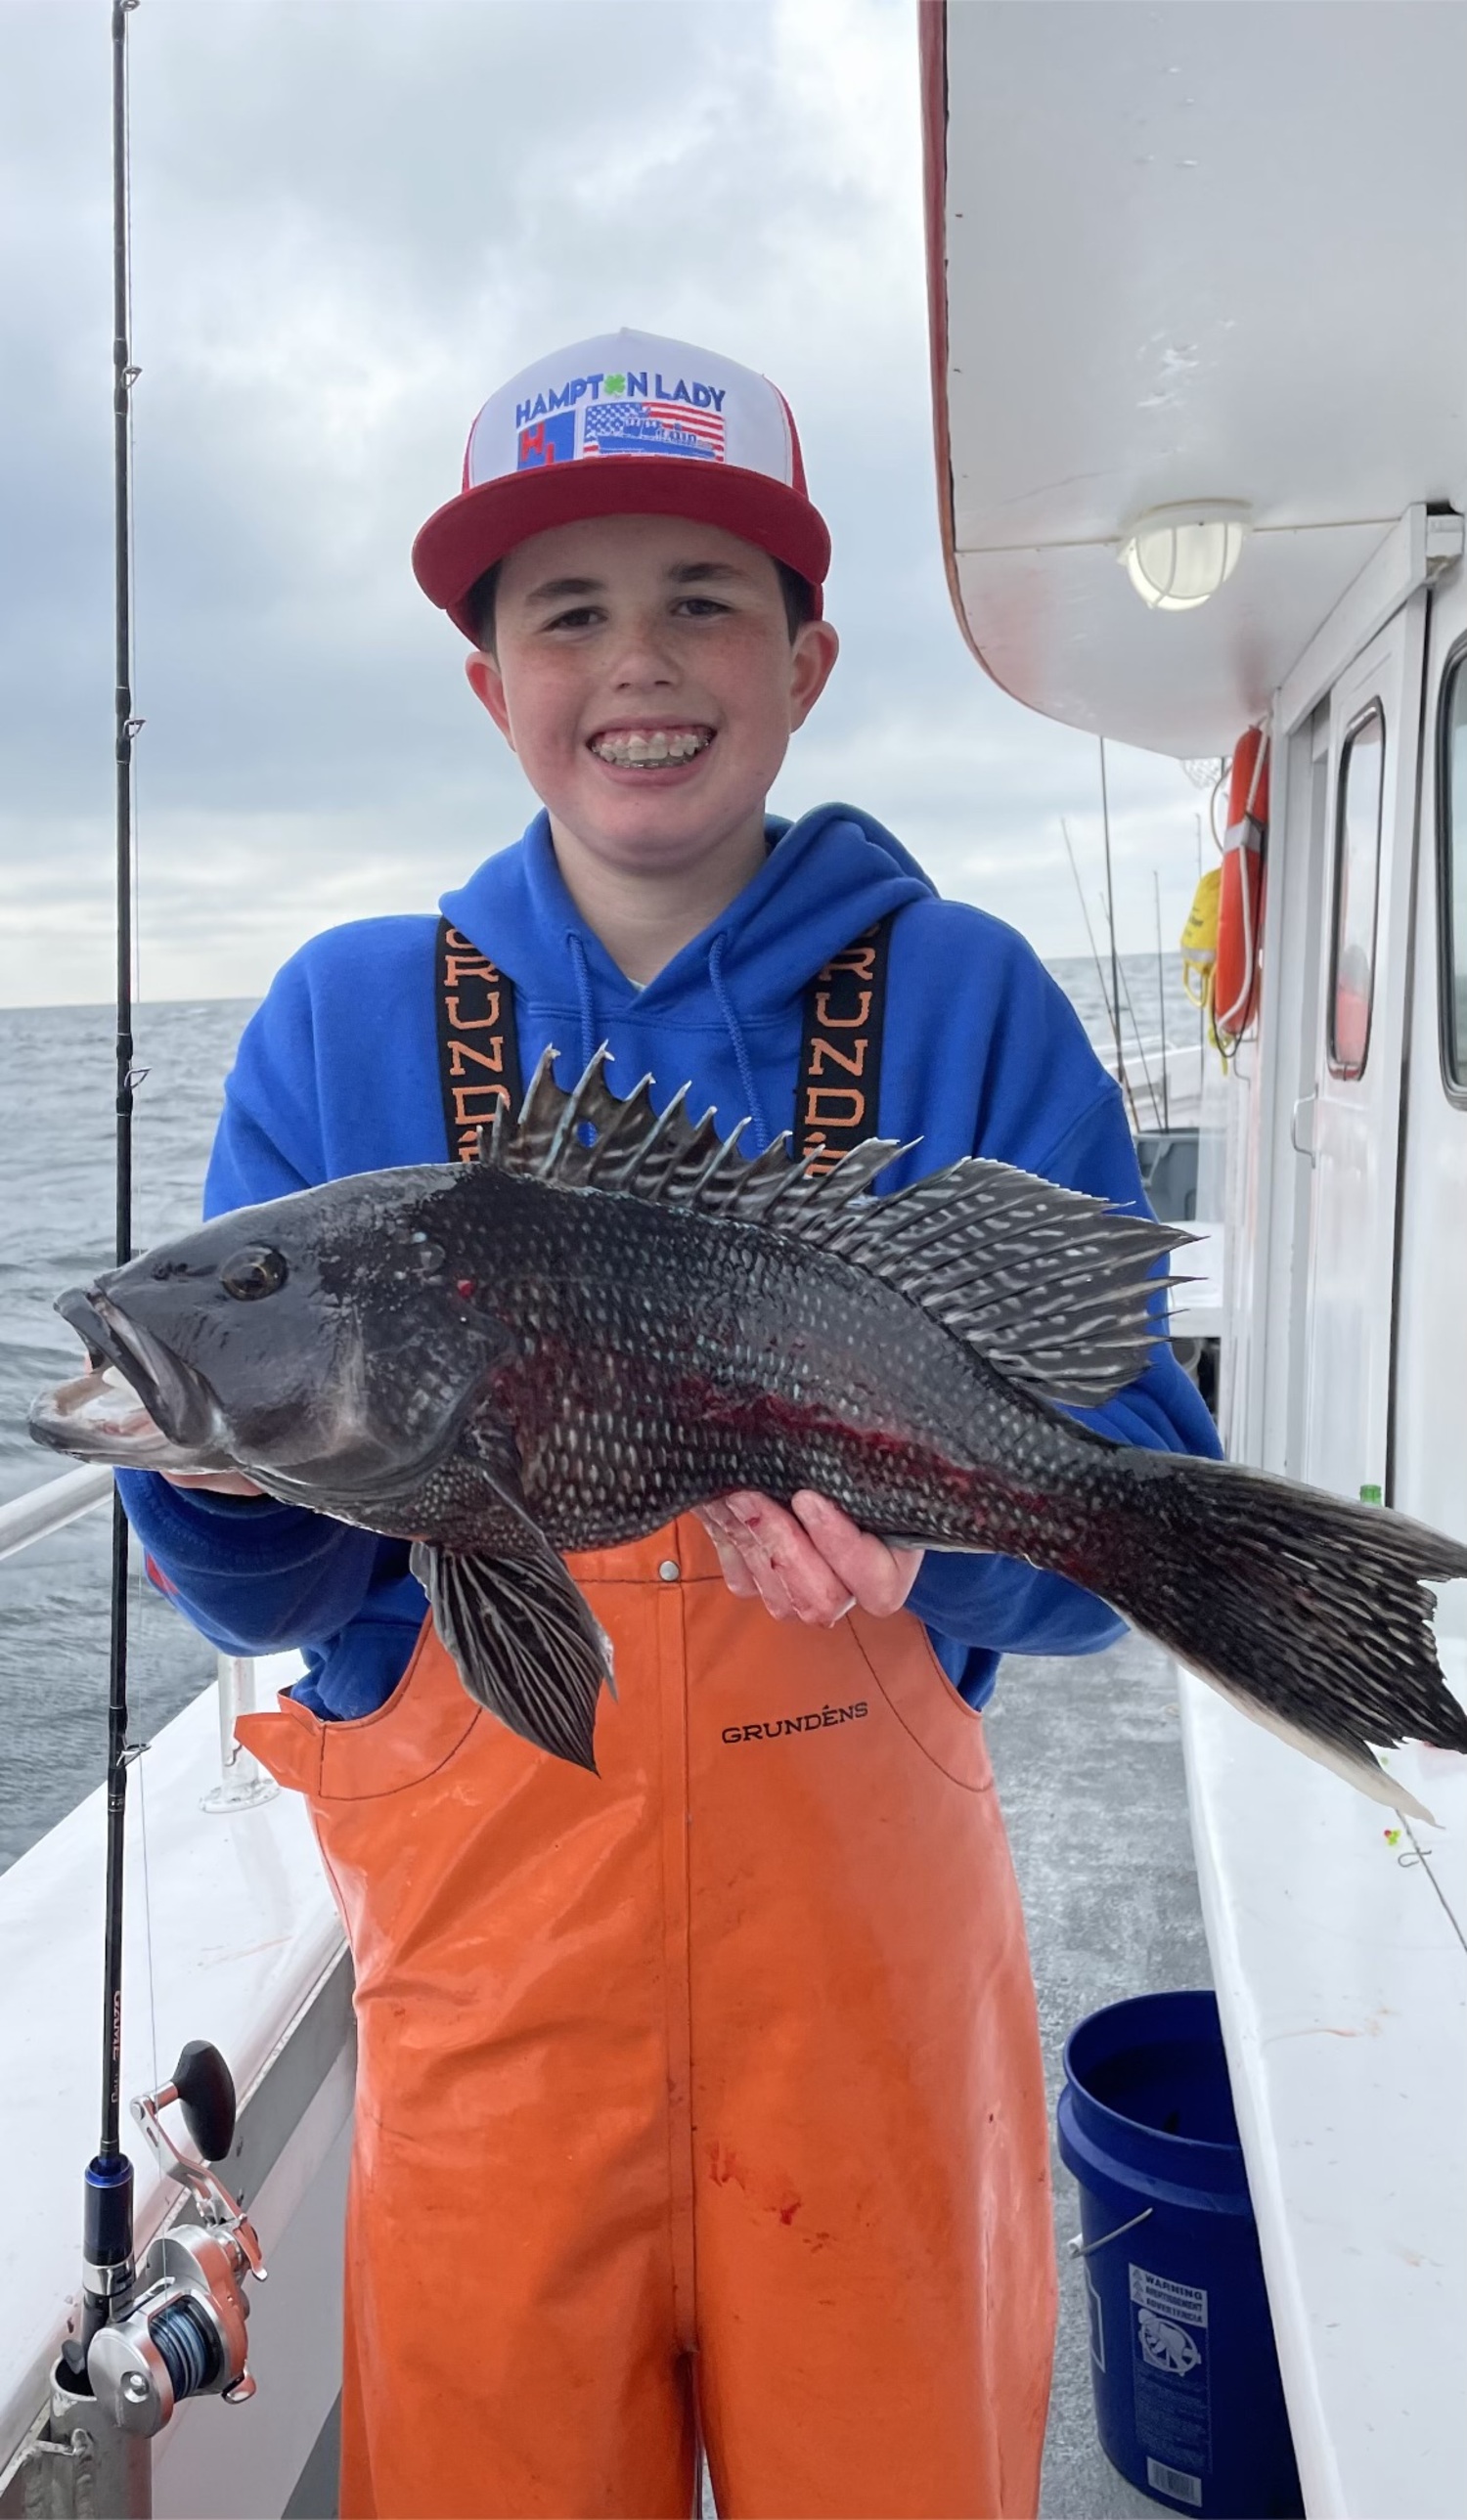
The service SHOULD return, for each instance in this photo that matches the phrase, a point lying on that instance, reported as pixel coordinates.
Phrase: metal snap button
(669, 1570)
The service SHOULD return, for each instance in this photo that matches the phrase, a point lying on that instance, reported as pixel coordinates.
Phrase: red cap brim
(476, 528)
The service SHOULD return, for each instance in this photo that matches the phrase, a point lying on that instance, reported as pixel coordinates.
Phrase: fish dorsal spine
(1055, 1290)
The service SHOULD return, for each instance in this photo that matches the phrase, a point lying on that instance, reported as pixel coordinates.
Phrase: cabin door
(1350, 1117)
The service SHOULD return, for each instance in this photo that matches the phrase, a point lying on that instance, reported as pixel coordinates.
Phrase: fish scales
(662, 1359)
(615, 1316)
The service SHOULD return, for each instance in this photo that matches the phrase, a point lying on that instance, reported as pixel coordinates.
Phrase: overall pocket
(897, 1652)
(428, 1718)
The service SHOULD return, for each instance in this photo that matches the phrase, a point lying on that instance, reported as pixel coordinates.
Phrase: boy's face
(646, 677)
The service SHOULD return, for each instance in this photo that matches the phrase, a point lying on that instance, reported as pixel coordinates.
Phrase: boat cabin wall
(1345, 1355)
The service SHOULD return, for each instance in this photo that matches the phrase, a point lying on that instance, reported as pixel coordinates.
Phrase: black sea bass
(612, 1316)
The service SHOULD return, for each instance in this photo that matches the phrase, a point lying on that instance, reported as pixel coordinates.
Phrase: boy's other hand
(812, 1564)
(218, 1483)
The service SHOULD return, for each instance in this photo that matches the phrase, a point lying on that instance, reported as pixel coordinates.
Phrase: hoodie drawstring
(582, 969)
(745, 1064)
(589, 1044)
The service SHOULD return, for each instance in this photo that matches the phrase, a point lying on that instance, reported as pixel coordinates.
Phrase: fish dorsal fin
(1054, 1288)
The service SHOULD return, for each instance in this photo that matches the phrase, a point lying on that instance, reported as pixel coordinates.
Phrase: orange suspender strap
(839, 1087)
(840, 1057)
(479, 1049)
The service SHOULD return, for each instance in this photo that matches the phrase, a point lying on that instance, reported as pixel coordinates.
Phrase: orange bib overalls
(701, 2094)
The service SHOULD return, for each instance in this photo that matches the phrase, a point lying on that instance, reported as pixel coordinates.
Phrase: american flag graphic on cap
(643, 427)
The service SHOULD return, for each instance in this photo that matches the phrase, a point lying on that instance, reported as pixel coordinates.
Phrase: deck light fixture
(1176, 558)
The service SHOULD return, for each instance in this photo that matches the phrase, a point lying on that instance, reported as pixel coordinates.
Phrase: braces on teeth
(625, 750)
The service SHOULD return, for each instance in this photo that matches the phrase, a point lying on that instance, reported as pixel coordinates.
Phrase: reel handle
(204, 2087)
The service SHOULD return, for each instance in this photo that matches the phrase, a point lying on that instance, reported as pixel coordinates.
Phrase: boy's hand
(218, 1482)
(812, 1564)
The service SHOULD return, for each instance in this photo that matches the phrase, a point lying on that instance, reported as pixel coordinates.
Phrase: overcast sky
(352, 218)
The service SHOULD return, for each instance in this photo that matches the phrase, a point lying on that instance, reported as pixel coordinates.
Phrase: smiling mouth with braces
(660, 749)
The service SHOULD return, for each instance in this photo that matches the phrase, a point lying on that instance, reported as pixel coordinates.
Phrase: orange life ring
(1240, 909)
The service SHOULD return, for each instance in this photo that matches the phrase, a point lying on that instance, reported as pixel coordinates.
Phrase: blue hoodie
(337, 1073)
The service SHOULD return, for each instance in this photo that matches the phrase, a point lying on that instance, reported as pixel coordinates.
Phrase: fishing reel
(182, 2333)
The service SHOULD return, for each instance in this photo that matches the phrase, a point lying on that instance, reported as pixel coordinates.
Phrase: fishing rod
(1110, 912)
(1119, 984)
(1105, 996)
(1130, 1009)
(1156, 886)
(175, 2327)
(109, 2177)
(1085, 912)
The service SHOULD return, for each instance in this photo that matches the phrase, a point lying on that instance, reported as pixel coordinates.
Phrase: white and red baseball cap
(627, 424)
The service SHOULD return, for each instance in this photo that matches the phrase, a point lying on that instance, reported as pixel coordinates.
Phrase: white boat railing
(48, 1508)
(51, 1507)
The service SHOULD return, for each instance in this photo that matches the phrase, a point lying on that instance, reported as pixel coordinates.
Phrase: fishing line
(148, 1910)
(139, 1754)
(1423, 1857)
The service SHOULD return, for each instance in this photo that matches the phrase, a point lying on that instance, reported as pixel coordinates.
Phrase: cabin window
(1454, 811)
(1357, 859)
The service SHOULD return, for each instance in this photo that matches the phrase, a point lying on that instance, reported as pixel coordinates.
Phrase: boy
(703, 2094)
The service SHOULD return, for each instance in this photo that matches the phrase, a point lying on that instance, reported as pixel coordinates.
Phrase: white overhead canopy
(1202, 250)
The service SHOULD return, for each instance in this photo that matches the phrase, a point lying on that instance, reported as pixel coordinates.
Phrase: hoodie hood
(726, 1012)
(827, 878)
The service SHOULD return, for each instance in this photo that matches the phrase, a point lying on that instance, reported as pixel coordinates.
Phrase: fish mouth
(138, 1404)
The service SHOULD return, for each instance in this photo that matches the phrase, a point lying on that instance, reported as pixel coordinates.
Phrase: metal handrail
(50, 1508)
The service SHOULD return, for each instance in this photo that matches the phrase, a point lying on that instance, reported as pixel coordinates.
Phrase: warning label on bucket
(1169, 2361)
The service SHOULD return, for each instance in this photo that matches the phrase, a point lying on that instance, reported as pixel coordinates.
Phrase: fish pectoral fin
(523, 1640)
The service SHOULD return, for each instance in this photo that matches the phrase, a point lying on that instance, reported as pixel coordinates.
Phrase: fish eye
(254, 1272)
(425, 1257)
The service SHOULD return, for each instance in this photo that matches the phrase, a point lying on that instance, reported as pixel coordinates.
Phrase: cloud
(349, 223)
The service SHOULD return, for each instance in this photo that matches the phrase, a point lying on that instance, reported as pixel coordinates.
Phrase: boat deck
(1089, 1758)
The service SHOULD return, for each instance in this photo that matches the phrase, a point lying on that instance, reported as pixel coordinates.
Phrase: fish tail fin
(1310, 1613)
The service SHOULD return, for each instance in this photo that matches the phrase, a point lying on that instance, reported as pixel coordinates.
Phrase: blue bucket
(1188, 2401)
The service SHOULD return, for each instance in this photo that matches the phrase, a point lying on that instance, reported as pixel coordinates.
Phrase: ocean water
(56, 1228)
